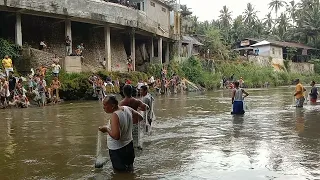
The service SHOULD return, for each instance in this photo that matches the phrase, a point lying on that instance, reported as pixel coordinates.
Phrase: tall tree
(276, 5)
(283, 26)
(268, 21)
(250, 15)
(225, 17)
(292, 9)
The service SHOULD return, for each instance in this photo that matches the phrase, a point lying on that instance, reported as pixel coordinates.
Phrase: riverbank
(76, 86)
(209, 74)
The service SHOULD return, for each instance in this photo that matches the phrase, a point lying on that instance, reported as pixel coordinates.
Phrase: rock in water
(99, 163)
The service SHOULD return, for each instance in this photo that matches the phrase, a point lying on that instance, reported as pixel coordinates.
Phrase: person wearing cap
(299, 94)
(7, 64)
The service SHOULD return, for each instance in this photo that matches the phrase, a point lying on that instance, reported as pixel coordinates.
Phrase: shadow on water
(194, 137)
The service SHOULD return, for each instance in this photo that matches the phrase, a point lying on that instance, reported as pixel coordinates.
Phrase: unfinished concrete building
(109, 31)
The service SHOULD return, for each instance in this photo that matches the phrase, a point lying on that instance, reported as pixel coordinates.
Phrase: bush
(10, 49)
(76, 86)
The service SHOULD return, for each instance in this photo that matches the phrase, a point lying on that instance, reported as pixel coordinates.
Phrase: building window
(273, 51)
(152, 4)
(164, 9)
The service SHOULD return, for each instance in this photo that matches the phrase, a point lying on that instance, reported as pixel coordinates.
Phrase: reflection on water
(194, 137)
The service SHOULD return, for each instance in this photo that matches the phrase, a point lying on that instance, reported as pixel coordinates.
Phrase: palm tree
(310, 21)
(292, 10)
(194, 23)
(225, 17)
(250, 15)
(268, 21)
(283, 25)
(276, 5)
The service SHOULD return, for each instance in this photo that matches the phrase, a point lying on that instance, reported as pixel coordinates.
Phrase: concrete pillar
(179, 50)
(133, 50)
(18, 30)
(152, 49)
(160, 50)
(167, 58)
(68, 31)
(190, 47)
(107, 47)
(144, 51)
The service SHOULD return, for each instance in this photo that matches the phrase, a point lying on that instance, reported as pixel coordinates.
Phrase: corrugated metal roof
(244, 48)
(282, 44)
(190, 39)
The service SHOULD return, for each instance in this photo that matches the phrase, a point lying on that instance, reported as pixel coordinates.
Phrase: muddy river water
(194, 137)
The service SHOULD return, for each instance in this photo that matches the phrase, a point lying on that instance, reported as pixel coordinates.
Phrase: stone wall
(90, 11)
(39, 58)
(301, 68)
(265, 61)
(278, 64)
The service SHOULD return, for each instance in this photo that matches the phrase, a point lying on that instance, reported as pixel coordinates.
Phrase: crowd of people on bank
(228, 83)
(16, 90)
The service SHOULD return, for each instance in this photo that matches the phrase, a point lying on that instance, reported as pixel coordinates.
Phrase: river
(194, 137)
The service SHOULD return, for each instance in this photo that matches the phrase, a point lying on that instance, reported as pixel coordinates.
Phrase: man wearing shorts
(299, 94)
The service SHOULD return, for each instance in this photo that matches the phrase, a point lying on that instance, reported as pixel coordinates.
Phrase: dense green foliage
(10, 49)
(76, 86)
(197, 71)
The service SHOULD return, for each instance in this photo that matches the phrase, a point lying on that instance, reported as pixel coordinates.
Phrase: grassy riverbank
(209, 74)
(75, 86)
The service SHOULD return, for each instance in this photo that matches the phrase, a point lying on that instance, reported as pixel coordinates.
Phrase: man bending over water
(136, 105)
(237, 99)
(119, 139)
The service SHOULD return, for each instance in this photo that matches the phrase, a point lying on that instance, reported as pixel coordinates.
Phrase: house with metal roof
(276, 49)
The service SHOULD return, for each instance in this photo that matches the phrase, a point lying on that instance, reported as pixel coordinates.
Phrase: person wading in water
(299, 94)
(119, 139)
(136, 105)
(149, 114)
(314, 93)
(237, 99)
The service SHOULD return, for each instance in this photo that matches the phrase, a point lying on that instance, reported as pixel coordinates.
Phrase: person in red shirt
(128, 81)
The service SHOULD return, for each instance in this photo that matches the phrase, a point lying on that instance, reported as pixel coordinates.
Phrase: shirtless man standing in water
(136, 105)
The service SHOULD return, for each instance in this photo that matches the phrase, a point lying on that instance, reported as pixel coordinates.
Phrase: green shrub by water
(196, 71)
(76, 86)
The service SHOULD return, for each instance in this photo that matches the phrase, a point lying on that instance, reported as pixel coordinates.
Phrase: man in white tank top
(119, 140)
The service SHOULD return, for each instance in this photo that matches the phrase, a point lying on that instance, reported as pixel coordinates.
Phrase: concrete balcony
(89, 11)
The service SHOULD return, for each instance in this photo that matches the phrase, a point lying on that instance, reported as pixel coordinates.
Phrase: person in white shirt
(55, 69)
(119, 139)
(139, 85)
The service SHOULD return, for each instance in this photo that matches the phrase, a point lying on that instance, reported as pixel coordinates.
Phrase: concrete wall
(263, 61)
(93, 12)
(263, 50)
(72, 64)
(302, 68)
(270, 51)
(276, 52)
(159, 14)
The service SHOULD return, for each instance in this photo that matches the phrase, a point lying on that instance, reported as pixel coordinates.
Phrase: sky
(210, 9)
